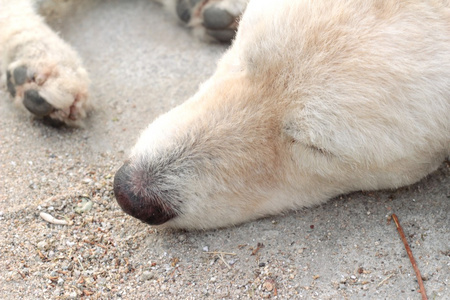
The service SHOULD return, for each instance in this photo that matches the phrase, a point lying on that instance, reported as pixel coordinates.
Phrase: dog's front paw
(50, 90)
(41, 72)
(213, 20)
(48, 83)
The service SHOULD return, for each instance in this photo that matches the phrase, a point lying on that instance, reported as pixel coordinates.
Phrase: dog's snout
(148, 208)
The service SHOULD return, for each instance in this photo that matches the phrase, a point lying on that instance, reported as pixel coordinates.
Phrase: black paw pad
(184, 9)
(217, 18)
(36, 104)
(224, 35)
(18, 77)
(10, 84)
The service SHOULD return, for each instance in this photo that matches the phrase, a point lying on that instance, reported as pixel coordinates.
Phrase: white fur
(25, 40)
(313, 99)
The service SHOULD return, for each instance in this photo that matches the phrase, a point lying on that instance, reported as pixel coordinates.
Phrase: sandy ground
(141, 64)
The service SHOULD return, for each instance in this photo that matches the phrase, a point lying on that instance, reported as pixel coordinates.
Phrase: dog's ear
(333, 131)
(309, 134)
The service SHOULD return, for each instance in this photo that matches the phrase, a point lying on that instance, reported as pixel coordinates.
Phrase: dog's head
(213, 161)
(230, 154)
(293, 115)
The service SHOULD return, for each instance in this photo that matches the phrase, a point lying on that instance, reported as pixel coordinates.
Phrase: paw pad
(32, 101)
(184, 9)
(36, 104)
(216, 18)
(18, 77)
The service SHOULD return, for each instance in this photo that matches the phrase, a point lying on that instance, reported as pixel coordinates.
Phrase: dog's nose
(147, 208)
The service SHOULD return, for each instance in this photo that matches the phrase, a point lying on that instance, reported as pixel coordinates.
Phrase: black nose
(145, 206)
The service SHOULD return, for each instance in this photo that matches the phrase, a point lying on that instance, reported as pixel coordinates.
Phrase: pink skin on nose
(149, 209)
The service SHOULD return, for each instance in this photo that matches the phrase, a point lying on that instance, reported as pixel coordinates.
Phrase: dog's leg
(41, 72)
(212, 20)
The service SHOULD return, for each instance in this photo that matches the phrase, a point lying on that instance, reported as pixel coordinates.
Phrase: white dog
(312, 100)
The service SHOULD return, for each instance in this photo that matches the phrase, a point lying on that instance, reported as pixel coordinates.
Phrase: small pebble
(84, 206)
(147, 275)
(86, 180)
(268, 286)
(42, 245)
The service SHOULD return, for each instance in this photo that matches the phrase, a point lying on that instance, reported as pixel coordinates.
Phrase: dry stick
(384, 280)
(220, 253)
(96, 244)
(411, 257)
(223, 260)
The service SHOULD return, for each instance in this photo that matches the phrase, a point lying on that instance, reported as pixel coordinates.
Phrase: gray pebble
(60, 281)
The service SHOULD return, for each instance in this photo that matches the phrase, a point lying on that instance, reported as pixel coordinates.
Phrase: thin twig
(384, 280)
(42, 256)
(219, 253)
(223, 260)
(258, 247)
(79, 261)
(96, 244)
(411, 257)
(21, 274)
